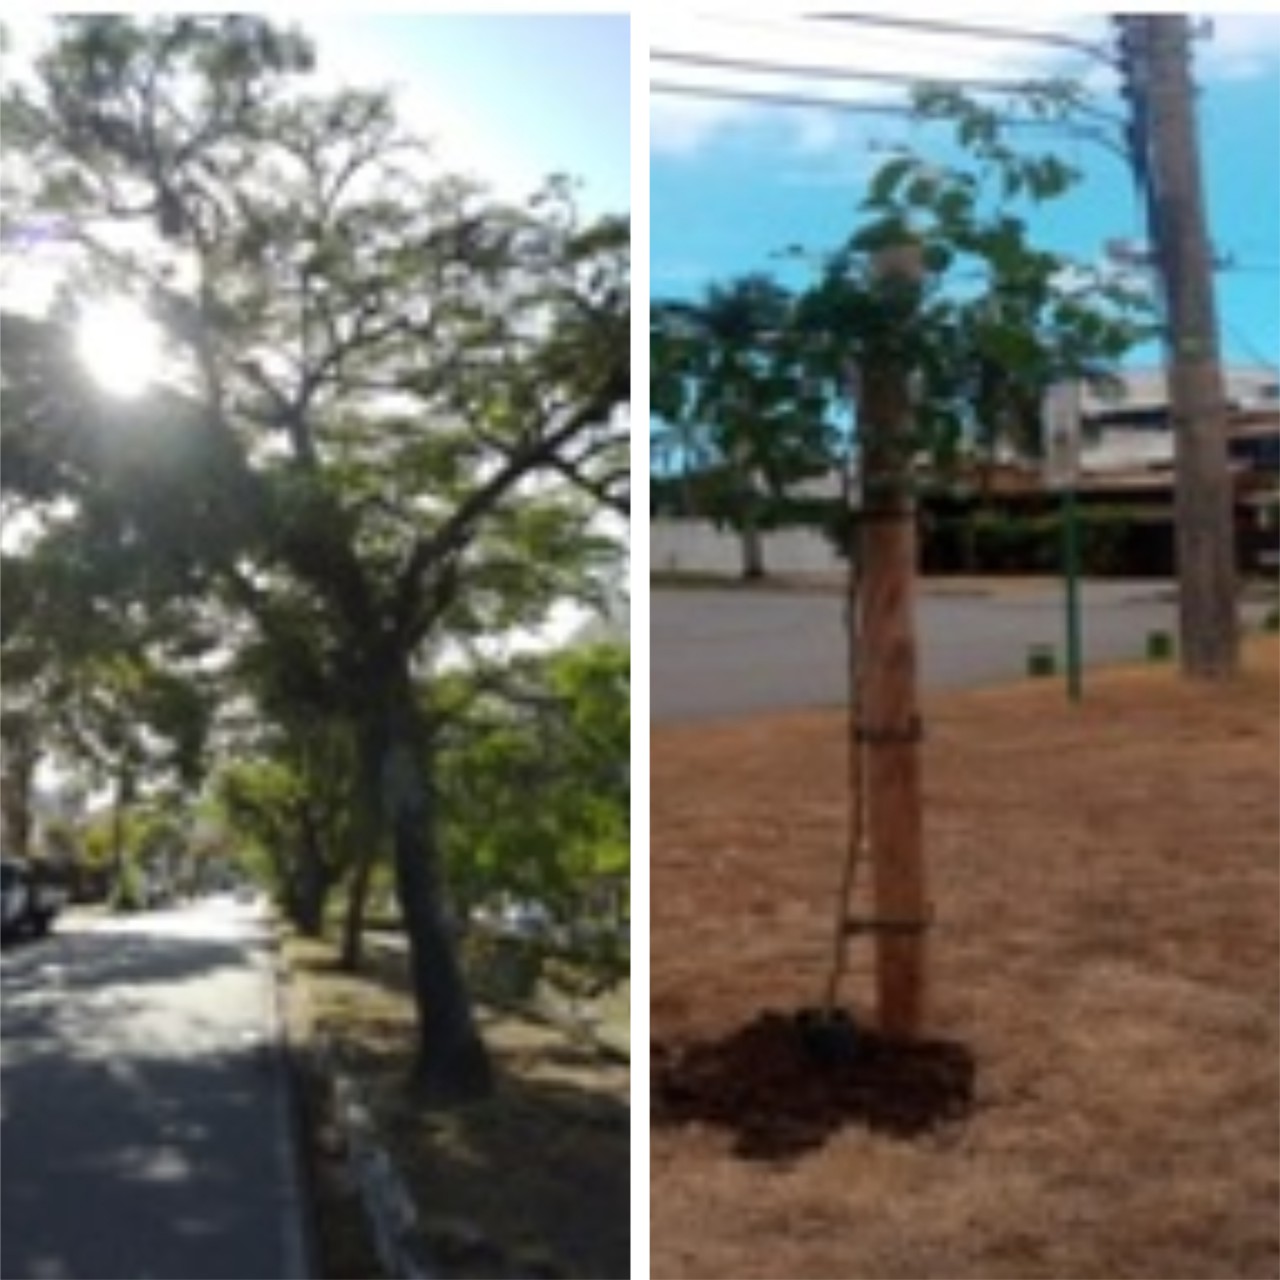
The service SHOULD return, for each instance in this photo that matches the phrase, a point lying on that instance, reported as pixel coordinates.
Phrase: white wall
(697, 546)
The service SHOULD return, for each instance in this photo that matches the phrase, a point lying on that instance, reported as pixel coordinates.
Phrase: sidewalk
(147, 1115)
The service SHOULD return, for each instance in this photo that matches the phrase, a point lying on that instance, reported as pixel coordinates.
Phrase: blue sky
(731, 184)
(511, 96)
(507, 97)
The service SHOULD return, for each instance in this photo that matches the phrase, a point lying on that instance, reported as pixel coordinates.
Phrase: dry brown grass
(1105, 882)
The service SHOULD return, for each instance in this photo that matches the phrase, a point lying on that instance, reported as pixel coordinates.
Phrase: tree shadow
(541, 1172)
(141, 1137)
(532, 1181)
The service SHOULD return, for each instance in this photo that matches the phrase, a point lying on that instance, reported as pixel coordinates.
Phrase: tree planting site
(1094, 1092)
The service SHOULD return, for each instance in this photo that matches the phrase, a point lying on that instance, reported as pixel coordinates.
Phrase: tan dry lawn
(1105, 883)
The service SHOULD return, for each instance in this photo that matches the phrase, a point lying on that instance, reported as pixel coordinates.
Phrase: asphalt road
(145, 1126)
(717, 653)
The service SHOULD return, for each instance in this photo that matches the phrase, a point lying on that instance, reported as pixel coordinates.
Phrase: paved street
(732, 652)
(145, 1131)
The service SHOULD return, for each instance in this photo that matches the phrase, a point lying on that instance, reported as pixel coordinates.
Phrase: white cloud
(1241, 45)
(681, 126)
(816, 132)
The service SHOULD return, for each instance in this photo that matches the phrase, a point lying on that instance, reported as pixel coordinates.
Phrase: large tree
(403, 394)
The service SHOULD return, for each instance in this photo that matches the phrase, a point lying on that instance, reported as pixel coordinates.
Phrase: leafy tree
(63, 843)
(278, 805)
(20, 744)
(535, 781)
(90, 683)
(395, 400)
(998, 319)
(727, 372)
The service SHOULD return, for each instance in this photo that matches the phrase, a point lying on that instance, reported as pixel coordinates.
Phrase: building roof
(1139, 391)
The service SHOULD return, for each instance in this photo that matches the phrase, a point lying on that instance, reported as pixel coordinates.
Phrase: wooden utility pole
(1168, 152)
(889, 731)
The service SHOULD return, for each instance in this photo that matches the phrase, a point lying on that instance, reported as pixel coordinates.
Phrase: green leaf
(889, 177)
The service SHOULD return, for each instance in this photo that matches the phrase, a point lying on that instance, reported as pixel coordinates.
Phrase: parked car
(30, 897)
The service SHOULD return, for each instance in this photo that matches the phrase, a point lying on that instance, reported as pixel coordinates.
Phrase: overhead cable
(715, 94)
(852, 106)
(929, 27)
(716, 62)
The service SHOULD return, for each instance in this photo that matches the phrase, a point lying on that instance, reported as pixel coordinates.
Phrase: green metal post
(1071, 566)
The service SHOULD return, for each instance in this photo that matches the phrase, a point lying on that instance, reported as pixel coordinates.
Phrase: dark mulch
(784, 1083)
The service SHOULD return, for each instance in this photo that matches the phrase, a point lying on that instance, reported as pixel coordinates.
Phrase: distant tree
(279, 804)
(88, 685)
(727, 372)
(20, 748)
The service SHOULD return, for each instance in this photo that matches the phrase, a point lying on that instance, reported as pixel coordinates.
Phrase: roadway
(146, 1124)
(719, 653)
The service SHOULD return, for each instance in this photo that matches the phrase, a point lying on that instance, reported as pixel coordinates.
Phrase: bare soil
(784, 1082)
(1104, 880)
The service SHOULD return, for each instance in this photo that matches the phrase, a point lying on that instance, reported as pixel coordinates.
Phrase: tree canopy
(393, 405)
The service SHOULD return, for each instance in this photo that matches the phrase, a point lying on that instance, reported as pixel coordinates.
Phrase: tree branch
(536, 452)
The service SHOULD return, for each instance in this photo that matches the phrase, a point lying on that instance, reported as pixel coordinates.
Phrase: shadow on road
(138, 1119)
(105, 957)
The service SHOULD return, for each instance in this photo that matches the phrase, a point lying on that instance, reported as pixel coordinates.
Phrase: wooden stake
(890, 727)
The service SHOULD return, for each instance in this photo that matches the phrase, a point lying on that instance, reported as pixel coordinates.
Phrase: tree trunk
(122, 799)
(16, 785)
(452, 1064)
(313, 880)
(366, 836)
(353, 924)
(752, 549)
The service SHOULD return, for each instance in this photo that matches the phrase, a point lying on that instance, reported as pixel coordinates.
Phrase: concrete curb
(300, 1249)
(388, 1205)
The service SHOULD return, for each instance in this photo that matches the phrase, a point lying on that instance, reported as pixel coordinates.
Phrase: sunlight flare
(120, 346)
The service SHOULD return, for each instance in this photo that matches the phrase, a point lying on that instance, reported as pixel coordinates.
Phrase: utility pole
(1156, 50)
(886, 663)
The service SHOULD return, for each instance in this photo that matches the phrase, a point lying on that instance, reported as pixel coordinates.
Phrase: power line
(709, 93)
(672, 88)
(799, 29)
(716, 62)
(926, 27)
